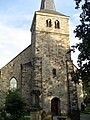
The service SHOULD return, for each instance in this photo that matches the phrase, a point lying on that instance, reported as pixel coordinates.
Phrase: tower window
(57, 24)
(48, 23)
(54, 72)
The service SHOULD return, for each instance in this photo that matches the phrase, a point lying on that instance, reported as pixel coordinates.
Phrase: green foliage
(77, 3)
(86, 92)
(10, 118)
(82, 32)
(14, 105)
(25, 118)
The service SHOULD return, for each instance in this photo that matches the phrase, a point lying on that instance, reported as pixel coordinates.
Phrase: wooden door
(55, 106)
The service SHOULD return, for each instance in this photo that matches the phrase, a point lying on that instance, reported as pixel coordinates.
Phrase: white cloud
(12, 41)
(15, 17)
(73, 40)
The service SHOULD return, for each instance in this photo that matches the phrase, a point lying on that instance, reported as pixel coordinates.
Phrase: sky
(15, 22)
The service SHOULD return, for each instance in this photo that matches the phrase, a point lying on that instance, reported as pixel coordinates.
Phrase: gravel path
(85, 117)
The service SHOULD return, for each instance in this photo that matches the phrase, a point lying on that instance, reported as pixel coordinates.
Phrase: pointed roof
(47, 5)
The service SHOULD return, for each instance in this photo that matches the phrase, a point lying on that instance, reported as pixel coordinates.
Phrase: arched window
(13, 83)
(48, 23)
(57, 24)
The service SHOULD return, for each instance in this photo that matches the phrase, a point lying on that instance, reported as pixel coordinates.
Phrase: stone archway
(55, 106)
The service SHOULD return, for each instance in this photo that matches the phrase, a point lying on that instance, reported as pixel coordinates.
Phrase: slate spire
(47, 5)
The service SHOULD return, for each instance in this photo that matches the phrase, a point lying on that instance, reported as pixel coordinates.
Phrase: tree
(82, 32)
(14, 105)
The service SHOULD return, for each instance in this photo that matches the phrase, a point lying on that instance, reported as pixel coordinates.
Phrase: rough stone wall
(41, 17)
(14, 69)
(80, 94)
(26, 82)
(51, 45)
(53, 57)
(75, 90)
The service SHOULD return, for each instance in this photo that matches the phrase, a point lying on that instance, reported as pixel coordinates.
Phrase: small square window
(54, 72)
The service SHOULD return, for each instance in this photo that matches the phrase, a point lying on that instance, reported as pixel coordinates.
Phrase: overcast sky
(15, 21)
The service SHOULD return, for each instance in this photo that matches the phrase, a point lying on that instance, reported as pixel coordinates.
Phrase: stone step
(59, 117)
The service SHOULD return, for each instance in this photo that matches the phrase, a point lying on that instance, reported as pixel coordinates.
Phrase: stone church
(43, 71)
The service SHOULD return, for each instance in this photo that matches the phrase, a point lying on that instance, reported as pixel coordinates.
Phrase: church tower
(50, 43)
(43, 71)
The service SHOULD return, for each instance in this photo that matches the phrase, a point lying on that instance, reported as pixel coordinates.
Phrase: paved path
(85, 117)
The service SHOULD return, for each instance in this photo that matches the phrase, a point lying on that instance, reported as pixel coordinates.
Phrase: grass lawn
(86, 111)
(25, 118)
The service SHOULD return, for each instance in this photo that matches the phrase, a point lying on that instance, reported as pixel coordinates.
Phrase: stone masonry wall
(14, 69)
(51, 45)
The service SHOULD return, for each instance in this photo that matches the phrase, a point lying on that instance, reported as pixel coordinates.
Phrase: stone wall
(16, 68)
(51, 45)
(80, 94)
(41, 17)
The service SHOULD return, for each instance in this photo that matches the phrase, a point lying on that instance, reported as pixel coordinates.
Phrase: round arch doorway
(55, 106)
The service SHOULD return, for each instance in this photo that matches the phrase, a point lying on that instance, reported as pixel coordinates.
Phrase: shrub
(14, 105)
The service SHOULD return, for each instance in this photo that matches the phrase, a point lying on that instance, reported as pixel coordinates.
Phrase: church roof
(47, 5)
